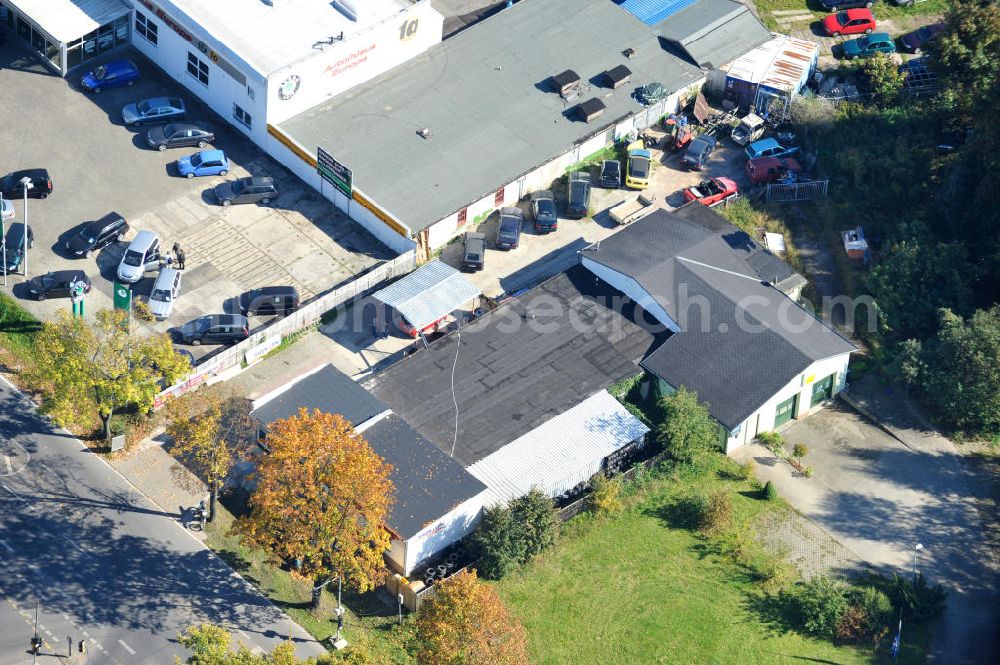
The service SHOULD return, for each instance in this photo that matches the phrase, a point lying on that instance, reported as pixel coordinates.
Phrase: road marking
(6, 546)
(126, 647)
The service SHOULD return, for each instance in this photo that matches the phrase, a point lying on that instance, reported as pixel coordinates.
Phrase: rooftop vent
(424, 133)
(591, 109)
(565, 83)
(617, 76)
(629, 53)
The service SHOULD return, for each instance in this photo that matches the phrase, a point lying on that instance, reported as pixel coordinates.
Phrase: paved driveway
(880, 497)
(98, 165)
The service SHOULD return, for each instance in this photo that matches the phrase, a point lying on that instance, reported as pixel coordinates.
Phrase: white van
(142, 256)
(750, 129)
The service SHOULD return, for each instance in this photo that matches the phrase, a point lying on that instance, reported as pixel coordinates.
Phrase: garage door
(785, 411)
(822, 390)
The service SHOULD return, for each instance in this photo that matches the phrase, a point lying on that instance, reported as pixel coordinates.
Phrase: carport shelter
(437, 501)
(68, 33)
(427, 295)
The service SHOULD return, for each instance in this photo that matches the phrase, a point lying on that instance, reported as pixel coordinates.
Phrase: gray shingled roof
(485, 97)
(715, 32)
(328, 390)
(741, 340)
(515, 372)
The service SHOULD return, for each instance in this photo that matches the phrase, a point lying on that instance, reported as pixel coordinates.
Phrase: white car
(166, 288)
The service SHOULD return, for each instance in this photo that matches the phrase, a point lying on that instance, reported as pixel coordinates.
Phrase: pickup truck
(631, 210)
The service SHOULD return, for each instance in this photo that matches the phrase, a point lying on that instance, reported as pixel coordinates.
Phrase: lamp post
(3, 236)
(26, 183)
(916, 550)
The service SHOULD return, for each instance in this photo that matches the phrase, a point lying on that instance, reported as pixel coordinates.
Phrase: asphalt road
(103, 563)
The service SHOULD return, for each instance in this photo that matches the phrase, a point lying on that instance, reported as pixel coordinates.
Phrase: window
(197, 68)
(145, 27)
(242, 116)
(250, 92)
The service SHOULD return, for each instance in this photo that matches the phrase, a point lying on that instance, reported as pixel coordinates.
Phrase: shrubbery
(510, 536)
(715, 512)
(773, 442)
(605, 495)
(919, 600)
(770, 491)
(799, 450)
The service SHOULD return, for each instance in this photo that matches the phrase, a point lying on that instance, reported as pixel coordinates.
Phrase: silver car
(142, 256)
(166, 288)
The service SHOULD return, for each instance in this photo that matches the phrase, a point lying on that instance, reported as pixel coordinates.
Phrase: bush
(820, 604)
(747, 469)
(808, 471)
(773, 442)
(799, 450)
(142, 311)
(919, 601)
(510, 536)
(770, 491)
(536, 513)
(716, 513)
(772, 572)
(687, 432)
(605, 497)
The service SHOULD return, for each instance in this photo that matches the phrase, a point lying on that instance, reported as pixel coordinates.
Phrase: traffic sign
(123, 297)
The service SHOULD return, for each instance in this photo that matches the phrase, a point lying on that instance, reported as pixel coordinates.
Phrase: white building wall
(631, 288)
(346, 64)
(450, 528)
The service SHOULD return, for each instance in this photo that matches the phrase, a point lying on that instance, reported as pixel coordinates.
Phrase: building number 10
(408, 29)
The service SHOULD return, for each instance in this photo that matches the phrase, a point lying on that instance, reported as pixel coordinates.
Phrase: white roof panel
(560, 453)
(66, 20)
(429, 293)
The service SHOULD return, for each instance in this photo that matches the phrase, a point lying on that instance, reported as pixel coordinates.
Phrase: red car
(850, 22)
(711, 191)
(769, 169)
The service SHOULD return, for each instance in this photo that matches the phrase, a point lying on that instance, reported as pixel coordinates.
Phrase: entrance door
(785, 411)
(822, 390)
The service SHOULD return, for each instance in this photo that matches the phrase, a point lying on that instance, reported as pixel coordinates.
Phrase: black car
(13, 246)
(41, 184)
(215, 329)
(611, 173)
(698, 152)
(270, 300)
(837, 5)
(473, 251)
(179, 135)
(543, 210)
(247, 190)
(509, 229)
(57, 284)
(95, 235)
(578, 206)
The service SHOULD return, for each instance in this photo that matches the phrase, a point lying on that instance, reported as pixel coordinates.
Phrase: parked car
(112, 74)
(179, 135)
(769, 169)
(142, 256)
(835, 5)
(58, 284)
(154, 109)
(611, 174)
(578, 205)
(270, 301)
(473, 251)
(850, 22)
(18, 236)
(97, 234)
(247, 190)
(215, 329)
(509, 230)
(6, 210)
(711, 191)
(638, 167)
(698, 152)
(751, 128)
(543, 211)
(166, 288)
(869, 45)
(915, 41)
(206, 162)
(769, 147)
(40, 188)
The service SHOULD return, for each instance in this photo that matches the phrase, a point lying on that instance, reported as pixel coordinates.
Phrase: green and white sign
(123, 297)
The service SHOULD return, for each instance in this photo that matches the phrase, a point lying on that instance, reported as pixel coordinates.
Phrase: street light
(26, 183)
(916, 550)
(3, 238)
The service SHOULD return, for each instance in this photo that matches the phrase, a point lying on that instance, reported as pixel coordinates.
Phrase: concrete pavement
(103, 562)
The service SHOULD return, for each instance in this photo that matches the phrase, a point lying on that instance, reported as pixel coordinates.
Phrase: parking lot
(98, 165)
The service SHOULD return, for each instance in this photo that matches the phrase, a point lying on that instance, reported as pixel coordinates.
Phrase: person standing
(180, 256)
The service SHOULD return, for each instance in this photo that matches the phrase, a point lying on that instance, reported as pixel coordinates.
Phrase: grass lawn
(17, 328)
(641, 588)
(885, 10)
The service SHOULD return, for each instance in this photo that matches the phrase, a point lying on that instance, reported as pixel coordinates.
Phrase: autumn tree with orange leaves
(466, 623)
(321, 499)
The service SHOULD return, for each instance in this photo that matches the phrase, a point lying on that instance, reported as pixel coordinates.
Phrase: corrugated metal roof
(782, 63)
(652, 12)
(560, 453)
(429, 293)
(67, 20)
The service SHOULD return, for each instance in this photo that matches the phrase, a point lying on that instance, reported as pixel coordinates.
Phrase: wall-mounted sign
(289, 87)
(334, 172)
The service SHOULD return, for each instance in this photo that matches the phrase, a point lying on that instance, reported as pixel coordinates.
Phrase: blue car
(112, 74)
(868, 45)
(206, 162)
(769, 148)
(155, 109)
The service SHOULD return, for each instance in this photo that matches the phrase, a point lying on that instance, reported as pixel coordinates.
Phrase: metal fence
(806, 190)
(269, 337)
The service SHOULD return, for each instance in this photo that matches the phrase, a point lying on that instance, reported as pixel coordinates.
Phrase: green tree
(210, 645)
(884, 79)
(508, 536)
(536, 514)
(820, 604)
(210, 432)
(966, 56)
(687, 431)
(103, 366)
